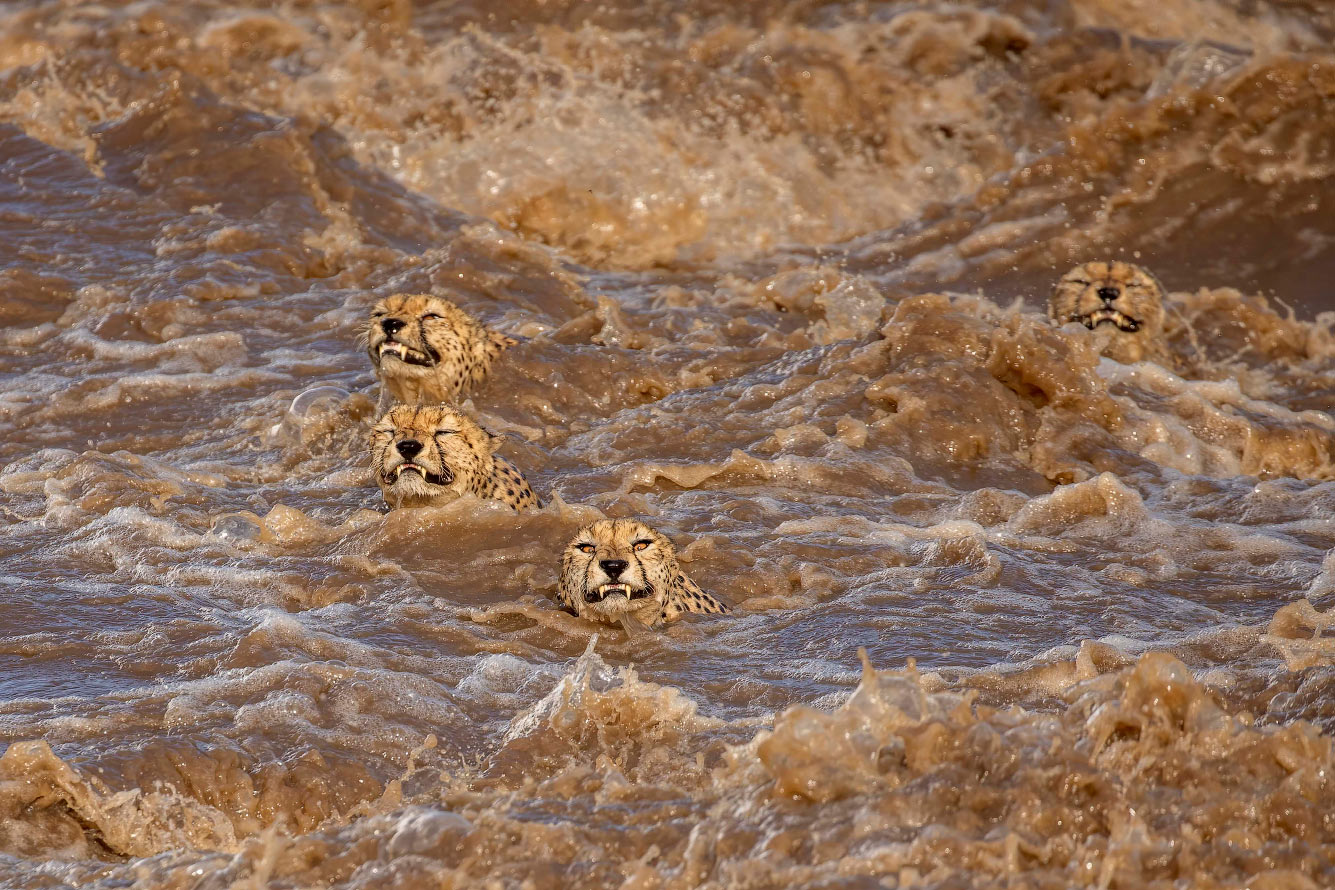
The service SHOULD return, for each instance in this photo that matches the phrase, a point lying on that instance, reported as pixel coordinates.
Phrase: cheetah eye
(1080, 281)
(445, 433)
(379, 313)
(642, 544)
(431, 315)
(586, 548)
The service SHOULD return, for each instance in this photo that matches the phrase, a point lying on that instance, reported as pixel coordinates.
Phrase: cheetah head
(1120, 297)
(424, 348)
(429, 455)
(618, 567)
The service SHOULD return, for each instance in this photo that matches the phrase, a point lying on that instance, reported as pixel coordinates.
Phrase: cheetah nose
(409, 448)
(392, 326)
(613, 567)
(1108, 294)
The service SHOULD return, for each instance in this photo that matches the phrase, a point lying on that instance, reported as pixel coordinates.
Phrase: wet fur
(446, 349)
(1140, 303)
(453, 446)
(660, 591)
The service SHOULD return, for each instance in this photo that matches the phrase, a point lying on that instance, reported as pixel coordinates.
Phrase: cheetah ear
(493, 441)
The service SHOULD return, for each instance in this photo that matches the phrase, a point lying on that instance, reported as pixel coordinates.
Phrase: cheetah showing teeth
(431, 455)
(426, 350)
(1120, 302)
(621, 571)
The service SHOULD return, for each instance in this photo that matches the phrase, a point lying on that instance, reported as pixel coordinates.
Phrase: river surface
(1007, 614)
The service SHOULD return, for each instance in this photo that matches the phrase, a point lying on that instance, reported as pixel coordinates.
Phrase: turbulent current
(1007, 613)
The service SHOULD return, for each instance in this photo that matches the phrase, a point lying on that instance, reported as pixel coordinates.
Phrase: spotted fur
(655, 588)
(426, 350)
(1120, 302)
(455, 458)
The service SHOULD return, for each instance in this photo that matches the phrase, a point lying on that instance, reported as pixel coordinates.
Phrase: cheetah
(621, 570)
(426, 350)
(1122, 302)
(431, 455)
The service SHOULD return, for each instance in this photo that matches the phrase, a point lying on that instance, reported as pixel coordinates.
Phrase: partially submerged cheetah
(1119, 301)
(426, 350)
(430, 455)
(617, 570)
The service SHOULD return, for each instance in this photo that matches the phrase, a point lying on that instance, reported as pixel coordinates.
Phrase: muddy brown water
(1007, 615)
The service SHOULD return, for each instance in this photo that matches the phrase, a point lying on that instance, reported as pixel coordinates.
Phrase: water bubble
(309, 405)
(1193, 65)
(316, 400)
(237, 527)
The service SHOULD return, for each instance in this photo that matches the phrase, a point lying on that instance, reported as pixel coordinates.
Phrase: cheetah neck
(686, 596)
(483, 483)
(513, 490)
(478, 363)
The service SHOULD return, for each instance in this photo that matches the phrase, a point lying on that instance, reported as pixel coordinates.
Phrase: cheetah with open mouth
(431, 455)
(426, 350)
(622, 571)
(1120, 302)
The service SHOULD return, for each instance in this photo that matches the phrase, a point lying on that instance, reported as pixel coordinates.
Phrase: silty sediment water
(779, 273)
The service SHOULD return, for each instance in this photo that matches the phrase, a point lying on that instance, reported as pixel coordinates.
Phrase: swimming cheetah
(617, 569)
(426, 350)
(1121, 302)
(430, 455)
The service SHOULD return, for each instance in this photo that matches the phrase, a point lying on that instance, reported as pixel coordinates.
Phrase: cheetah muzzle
(403, 352)
(623, 571)
(441, 479)
(1110, 316)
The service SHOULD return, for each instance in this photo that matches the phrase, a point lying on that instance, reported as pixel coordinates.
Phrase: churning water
(778, 270)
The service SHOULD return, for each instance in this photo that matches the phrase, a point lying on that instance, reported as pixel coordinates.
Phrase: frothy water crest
(1007, 612)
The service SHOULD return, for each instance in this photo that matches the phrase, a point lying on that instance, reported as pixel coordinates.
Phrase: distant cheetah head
(1119, 298)
(425, 349)
(430, 455)
(618, 567)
